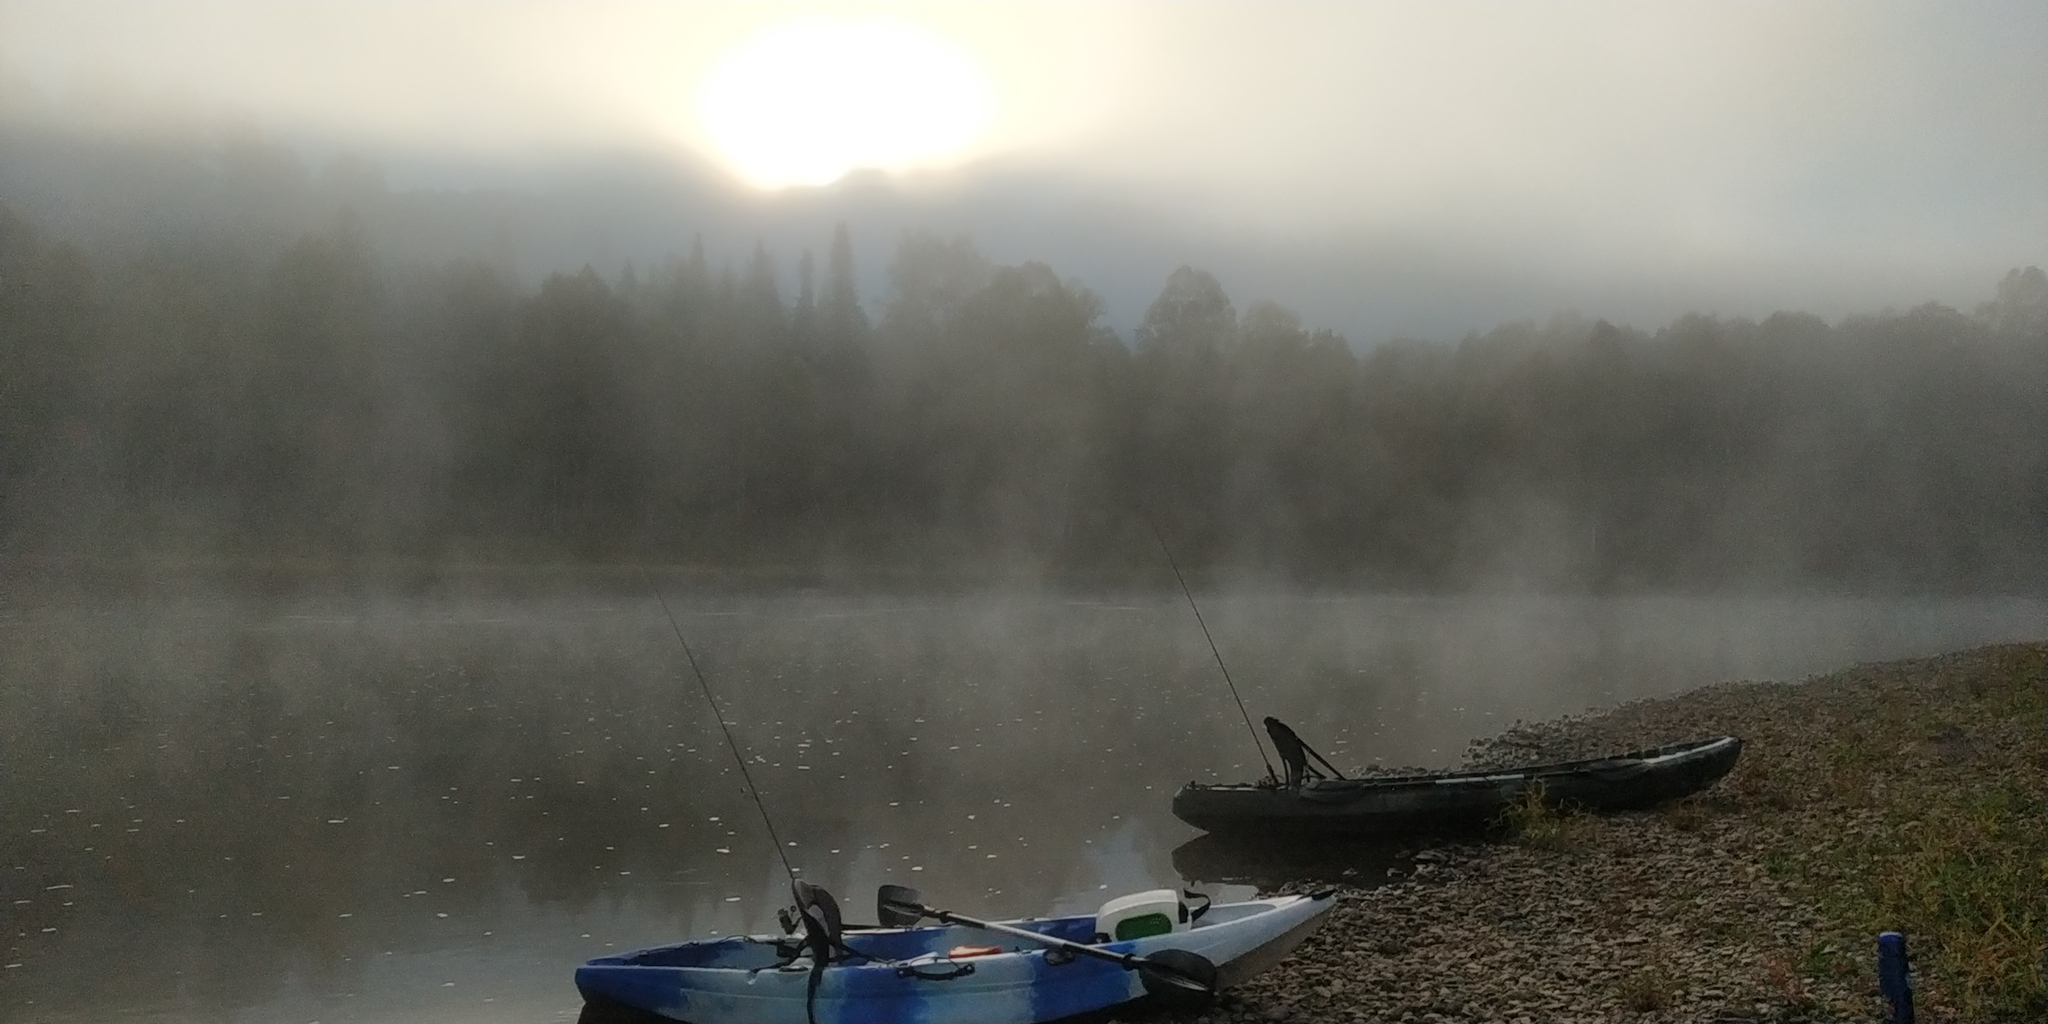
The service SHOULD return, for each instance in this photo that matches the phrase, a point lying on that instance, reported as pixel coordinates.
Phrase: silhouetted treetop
(1190, 316)
(931, 278)
(2021, 305)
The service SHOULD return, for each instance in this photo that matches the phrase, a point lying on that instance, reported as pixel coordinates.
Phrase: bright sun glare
(805, 102)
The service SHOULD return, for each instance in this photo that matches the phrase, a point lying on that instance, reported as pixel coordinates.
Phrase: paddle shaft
(1129, 961)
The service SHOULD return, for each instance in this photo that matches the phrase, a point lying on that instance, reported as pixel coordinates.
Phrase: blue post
(1894, 978)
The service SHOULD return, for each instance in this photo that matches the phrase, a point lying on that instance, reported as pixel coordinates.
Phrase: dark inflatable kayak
(1451, 801)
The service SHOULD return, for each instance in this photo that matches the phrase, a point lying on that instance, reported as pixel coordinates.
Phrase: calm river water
(343, 809)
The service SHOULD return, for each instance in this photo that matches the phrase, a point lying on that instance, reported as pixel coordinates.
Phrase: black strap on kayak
(820, 915)
(824, 938)
(921, 971)
(1295, 754)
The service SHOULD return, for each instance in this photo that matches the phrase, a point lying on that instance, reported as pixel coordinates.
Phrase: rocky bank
(1758, 900)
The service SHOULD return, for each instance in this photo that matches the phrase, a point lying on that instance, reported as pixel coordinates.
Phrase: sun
(806, 101)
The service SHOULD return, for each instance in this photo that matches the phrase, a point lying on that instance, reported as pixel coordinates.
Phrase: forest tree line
(982, 422)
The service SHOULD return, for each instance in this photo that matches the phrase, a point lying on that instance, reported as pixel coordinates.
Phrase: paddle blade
(1178, 979)
(899, 906)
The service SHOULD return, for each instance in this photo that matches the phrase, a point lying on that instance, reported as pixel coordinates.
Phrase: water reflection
(350, 809)
(1269, 863)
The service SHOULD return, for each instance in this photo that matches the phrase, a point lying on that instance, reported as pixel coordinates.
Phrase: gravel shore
(1724, 907)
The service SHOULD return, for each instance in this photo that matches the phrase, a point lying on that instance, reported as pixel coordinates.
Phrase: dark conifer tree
(763, 318)
(844, 324)
(803, 318)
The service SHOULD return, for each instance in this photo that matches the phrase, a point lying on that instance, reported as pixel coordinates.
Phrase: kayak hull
(1456, 801)
(905, 976)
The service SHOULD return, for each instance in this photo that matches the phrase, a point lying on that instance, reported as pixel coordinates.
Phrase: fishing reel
(792, 943)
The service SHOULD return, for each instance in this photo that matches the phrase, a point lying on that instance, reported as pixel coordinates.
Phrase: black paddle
(1174, 975)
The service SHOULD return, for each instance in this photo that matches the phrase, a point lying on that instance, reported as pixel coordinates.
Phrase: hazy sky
(1633, 158)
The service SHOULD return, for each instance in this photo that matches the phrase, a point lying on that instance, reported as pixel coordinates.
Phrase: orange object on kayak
(959, 952)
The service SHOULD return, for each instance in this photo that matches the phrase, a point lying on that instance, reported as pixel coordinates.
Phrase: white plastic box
(1153, 912)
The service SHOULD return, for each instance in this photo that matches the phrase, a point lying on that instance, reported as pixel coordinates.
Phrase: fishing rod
(1189, 594)
(752, 790)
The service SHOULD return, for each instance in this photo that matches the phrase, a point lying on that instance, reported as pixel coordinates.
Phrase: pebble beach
(1904, 795)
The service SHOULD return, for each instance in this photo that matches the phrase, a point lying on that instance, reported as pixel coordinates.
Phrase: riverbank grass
(1958, 855)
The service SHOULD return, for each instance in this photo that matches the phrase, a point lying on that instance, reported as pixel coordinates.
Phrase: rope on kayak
(752, 790)
(1189, 594)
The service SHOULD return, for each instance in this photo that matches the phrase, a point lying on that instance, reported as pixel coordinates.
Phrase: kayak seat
(824, 930)
(1294, 754)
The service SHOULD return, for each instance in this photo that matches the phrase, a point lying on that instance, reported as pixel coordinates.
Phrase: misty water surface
(344, 809)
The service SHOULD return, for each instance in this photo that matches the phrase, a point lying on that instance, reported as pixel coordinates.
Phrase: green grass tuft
(1534, 821)
(1960, 869)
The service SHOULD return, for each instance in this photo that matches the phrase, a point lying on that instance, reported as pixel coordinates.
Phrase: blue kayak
(952, 974)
